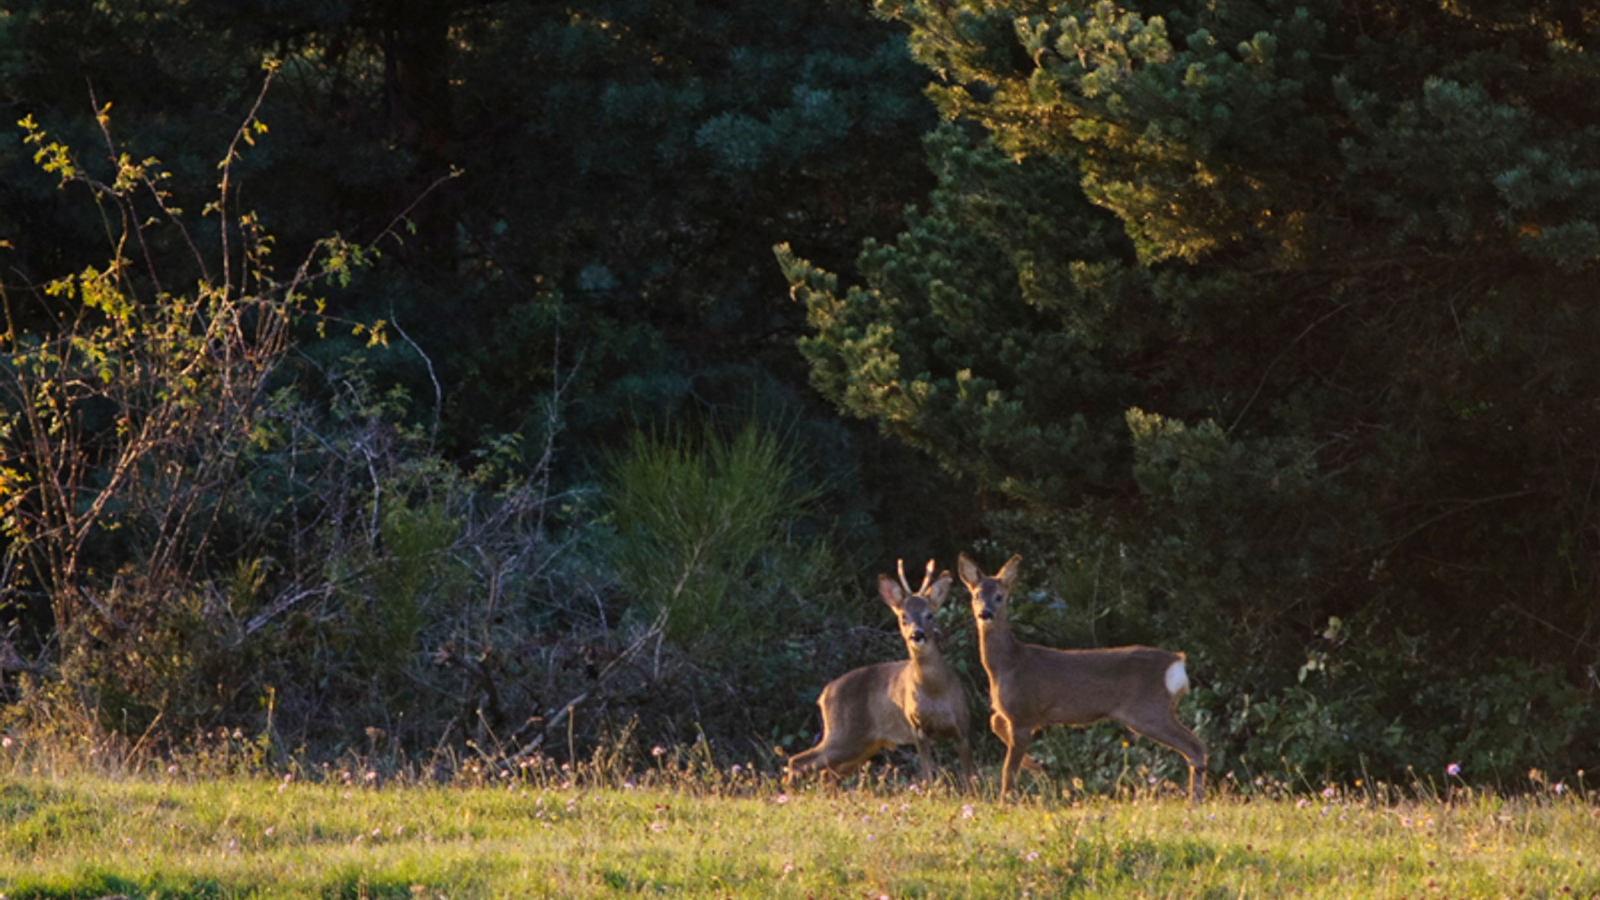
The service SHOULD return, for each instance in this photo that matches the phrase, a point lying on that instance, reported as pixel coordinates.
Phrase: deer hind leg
(1164, 728)
(837, 763)
(802, 763)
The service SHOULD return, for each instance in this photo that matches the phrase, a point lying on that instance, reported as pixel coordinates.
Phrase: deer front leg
(924, 755)
(969, 772)
(1016, 741)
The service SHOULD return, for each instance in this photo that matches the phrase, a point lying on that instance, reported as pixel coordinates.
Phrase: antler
(927, 577)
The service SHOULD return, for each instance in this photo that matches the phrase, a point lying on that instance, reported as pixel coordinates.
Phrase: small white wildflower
(966, 811)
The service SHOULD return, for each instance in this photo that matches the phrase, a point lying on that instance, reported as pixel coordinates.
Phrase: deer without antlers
(888, 704)
(1031, 686)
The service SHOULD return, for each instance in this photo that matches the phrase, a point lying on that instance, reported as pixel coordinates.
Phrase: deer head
(914, 609)
(989, 593)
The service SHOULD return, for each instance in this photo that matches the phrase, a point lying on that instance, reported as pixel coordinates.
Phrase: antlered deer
(888, 704)
(1031, 686)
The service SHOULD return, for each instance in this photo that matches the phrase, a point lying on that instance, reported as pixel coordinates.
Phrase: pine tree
(1268, 312)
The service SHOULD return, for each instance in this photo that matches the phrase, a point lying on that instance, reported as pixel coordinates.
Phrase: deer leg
(924, 756)
(968, 771)
(1169, 731)
(799, 764)
(836, 764)
(1016, 741)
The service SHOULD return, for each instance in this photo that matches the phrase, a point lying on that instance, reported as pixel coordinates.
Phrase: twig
(438, 393)
(284, 601)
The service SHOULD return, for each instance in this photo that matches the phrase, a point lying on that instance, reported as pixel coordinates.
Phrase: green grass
(84, 836)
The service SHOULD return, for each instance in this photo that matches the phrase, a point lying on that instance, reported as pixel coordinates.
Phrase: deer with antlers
(913, 700)
(1031, 686)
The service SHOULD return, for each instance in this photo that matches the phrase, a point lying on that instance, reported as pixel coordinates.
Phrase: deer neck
(997, 646)
(928, 666)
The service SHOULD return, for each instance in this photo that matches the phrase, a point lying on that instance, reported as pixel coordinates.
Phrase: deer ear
(939, 591)
(970, 573)
(890, 591)
(1008, 572)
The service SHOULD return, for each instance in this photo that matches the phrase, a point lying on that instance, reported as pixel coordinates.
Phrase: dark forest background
(445, 379)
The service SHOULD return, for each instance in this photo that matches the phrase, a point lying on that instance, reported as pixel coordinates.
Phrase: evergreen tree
(1277, 317)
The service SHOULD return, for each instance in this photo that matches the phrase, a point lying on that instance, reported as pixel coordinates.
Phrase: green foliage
(1278, 302)
(707, 535)
(125, 412)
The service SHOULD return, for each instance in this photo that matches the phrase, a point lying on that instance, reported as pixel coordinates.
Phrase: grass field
(175, 835)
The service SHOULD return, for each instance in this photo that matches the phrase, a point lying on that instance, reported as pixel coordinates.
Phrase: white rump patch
(1177, 679)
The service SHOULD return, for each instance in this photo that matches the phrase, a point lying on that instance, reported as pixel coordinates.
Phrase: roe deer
(1031, 686)
(888, 704)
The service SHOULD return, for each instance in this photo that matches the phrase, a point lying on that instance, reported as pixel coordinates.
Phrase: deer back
(1044, 685)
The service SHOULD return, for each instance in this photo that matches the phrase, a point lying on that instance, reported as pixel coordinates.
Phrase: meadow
(179, 832)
